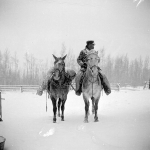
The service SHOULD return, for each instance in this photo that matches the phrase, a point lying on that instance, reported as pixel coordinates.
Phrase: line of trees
(118, 69)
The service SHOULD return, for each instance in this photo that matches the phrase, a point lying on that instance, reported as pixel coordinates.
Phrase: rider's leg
(105, 82)
(79, 79)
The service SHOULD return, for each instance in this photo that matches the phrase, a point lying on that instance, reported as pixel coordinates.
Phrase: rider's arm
(80, 58)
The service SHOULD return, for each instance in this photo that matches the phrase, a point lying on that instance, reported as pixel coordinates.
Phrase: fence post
(0, 107)
(21, 89)
(118, 86)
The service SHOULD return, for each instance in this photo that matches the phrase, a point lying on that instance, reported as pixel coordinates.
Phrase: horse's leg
(59, 103)
(93, 105)
(54, 108)
(86, 101)
(62, 109)
(96, 108)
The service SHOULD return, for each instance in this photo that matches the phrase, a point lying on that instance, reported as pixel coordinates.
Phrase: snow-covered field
(124, 123)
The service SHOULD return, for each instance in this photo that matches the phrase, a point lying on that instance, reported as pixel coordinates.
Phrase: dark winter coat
(82, 58)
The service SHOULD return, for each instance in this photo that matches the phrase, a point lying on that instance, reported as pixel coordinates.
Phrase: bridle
(93, 76)
(56, 74)
(61, 86)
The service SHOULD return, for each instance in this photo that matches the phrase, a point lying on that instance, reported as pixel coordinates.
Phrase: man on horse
(82, 61)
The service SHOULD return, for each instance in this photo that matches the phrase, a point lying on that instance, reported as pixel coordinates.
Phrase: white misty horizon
(40, 27)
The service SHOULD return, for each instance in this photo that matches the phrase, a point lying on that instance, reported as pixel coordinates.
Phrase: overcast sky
(41, 26)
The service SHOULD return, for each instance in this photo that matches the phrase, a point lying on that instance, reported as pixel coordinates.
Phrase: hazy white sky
(41, 26)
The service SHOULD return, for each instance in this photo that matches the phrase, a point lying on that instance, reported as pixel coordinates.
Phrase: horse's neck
(62, 76)
(91, 77)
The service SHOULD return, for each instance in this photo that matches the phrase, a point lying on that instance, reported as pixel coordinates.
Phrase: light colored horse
(91, 87)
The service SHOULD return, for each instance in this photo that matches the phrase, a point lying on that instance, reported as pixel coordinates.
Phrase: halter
(61, 86)
(56, 74)
(91, 69)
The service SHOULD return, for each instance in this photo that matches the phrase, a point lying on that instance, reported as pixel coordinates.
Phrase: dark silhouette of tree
(146, 69)
(108, 68)
(63, 50)
(6, 66)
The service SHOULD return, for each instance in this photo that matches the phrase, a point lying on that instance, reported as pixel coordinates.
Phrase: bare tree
(101, 53)
(146, 69)
(1, 68)
(63, 50)
(125, 77)
(6, 66)
(108, 69)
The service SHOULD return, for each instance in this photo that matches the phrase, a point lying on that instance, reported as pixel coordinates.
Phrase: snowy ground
(124, 123)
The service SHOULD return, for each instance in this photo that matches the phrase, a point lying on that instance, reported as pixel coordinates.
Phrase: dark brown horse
(91, 87)
(58, 86)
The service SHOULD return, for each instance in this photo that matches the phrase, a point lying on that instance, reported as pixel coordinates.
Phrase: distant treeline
(118, 69)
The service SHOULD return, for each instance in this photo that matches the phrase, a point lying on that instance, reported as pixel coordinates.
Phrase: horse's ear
(54, 57)
(64, 57)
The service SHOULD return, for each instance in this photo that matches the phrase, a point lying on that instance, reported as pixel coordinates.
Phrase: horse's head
(59, 65)
(92, 62)
(92, 58)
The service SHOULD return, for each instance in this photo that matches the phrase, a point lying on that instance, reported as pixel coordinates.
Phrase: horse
(91, 87)
(59, 85)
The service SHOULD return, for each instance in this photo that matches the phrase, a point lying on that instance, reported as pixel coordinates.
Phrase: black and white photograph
(74, 75)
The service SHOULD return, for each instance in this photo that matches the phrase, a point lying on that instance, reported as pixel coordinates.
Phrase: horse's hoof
(86, 121)
(54, 120)
(62, 118)
(96, 119)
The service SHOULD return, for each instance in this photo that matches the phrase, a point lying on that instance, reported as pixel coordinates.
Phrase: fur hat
(90, 42)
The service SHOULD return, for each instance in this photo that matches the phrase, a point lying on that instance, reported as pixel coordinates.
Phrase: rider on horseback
(82, 61)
